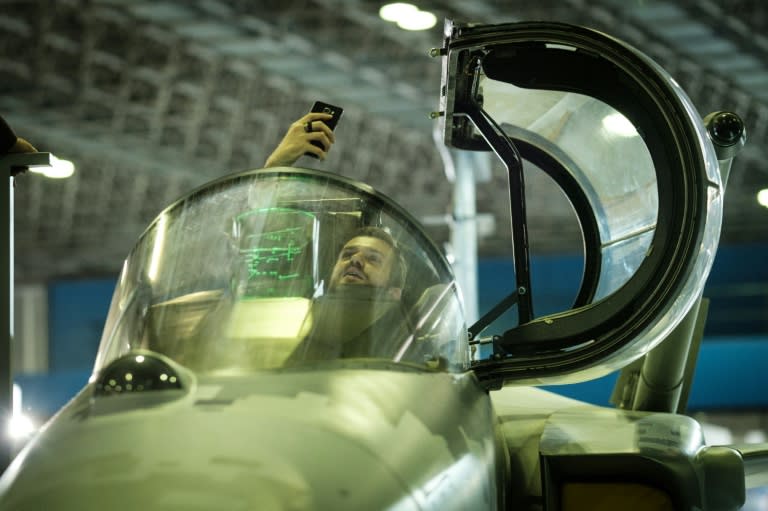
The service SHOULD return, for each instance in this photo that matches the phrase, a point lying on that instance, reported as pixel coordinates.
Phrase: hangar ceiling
(151, 99)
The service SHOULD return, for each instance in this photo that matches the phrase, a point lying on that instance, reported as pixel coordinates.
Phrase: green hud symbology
(277, 253)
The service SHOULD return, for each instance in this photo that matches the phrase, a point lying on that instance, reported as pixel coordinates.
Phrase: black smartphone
(326, 108)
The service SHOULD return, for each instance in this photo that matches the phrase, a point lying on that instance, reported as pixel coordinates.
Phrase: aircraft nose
(207, 460)
(296, 441)
(289, 465)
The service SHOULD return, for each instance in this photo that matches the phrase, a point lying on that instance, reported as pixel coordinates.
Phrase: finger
(317, 151)
(320, 136)
(323, 128)
(298, 126)
(319, 126)
(315, 125)
(315, 116)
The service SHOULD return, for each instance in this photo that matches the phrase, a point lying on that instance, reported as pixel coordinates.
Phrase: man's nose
(357, 259)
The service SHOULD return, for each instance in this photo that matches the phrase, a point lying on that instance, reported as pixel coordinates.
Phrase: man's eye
(374, 258)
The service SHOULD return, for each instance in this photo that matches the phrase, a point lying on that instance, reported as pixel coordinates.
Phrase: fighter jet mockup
(291, 339)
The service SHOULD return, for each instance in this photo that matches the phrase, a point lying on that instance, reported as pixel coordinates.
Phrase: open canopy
(634, 161)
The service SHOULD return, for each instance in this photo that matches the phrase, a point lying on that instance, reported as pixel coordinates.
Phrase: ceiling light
(397, 11)
(59, 169)
(19, 426)
(762, 197)
(408, 16)
(419, 20)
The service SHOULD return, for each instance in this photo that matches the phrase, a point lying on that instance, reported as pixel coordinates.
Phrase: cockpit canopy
(238, 276)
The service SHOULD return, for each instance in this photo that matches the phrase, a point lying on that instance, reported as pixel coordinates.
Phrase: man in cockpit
(370, 258)
(361, 315)
(366, 311)
(368, 316)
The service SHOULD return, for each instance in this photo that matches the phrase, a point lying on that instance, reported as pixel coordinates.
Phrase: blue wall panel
(730, 375)
(77, 311)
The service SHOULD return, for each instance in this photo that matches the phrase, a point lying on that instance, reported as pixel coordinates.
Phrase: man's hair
(399, 266)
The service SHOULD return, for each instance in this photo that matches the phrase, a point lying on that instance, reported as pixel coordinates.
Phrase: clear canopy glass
(606, 156)
(270, 268)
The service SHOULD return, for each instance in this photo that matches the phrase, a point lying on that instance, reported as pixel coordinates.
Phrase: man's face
(365, 261)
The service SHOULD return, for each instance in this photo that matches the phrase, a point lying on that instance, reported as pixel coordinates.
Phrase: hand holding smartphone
(326, 108)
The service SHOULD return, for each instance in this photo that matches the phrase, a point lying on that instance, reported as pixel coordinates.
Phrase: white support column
(470, 167)
(464, 231)
(30, 344)
(464, 169)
